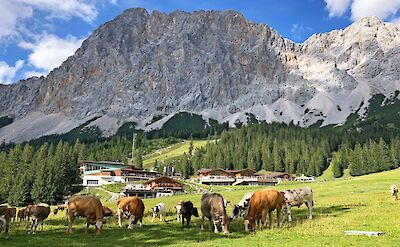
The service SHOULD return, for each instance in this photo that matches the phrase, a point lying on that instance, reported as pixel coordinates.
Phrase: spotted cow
(297, 197)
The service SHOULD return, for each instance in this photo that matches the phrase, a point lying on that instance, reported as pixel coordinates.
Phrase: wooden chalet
(164, 184)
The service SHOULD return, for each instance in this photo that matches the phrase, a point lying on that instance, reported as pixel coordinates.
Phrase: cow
(13, 213)
(131, 208)
(297, 197)
(23, 214)
(263, 202)
(107, 212)
(85, 206)
(4, 219)
(394, 191)
(38, 213)
(178, 209)
(58, 208)
(240, 208)
(159, 210)
(213, 207)
(187, 211)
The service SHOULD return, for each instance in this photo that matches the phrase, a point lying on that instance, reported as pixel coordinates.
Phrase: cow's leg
(152, 219)
(35, 226)
(202, 222)
(209, 222)
(310, 208)
(188, 221)
(289, 212)
(278, 215)
(263, 219)
(140, 221)
(119, 217)
(161, 217)
(71, 219)
(269, 219)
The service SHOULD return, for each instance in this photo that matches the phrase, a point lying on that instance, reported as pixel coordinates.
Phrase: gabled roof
(212, 169)
(163, 179)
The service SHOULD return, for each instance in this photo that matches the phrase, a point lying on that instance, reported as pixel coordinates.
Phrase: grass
(360, 203)
(172, 152)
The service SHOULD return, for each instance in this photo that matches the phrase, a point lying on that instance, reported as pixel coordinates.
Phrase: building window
(92, 182)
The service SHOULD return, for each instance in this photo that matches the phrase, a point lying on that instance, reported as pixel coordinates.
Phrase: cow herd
(254, 207)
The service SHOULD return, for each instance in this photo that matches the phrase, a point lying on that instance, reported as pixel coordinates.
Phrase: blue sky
(36, 36)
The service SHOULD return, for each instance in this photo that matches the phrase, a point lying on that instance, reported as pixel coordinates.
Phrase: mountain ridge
(213, 63)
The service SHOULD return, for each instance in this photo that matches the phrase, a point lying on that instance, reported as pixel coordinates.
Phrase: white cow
(159, 210)
(240, 208)
(394, 191)
(297, 197)
(178, 208)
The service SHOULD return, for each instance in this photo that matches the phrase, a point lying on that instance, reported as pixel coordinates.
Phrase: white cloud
(337, 8)
(17, 14)
(51, 51)
(8, 72)
(32, 73)
(64, 9)
(382, 8)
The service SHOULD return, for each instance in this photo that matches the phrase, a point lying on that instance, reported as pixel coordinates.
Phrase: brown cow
(213, 207)
(107, 212)
(263, 202)
(59, 208)
(85, 206)
(131, 208)
(4, 219)
(23, 215)
(13, 213)
(38, 214)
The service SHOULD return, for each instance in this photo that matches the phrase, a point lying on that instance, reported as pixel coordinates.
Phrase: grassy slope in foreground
(172, 152)
(361, 203)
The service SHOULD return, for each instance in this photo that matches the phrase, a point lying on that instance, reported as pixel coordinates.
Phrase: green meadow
(361, 203)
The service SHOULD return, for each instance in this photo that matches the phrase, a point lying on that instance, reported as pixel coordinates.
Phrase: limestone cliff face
(214, 63)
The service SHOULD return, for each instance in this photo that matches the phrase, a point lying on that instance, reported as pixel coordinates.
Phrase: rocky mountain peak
(214, 63)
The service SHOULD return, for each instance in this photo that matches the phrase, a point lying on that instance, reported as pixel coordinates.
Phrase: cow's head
(225, 221)
(99, 226)
(132, 221)
(195, 212)
(249, 223)
(236, 211)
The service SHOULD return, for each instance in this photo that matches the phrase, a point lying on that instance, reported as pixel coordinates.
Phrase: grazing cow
(240, 208)
(4, 219)
(59, 208)
(263, 202)
(107, 212)
(213, 207)
(85, 206)
(131, 208)
(187, 211)
(13, 213)
(297, 197)
(23, 214)
(178, 208)
(38, 214)
(394, 191)
(159, 210)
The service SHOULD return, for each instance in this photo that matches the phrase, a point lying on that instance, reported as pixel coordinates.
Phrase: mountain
(141, 67)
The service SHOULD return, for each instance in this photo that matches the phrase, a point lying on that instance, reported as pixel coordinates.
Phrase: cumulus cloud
(384, 9)
(51, 51)
(7, 72)
(337, 8)
(17, 13)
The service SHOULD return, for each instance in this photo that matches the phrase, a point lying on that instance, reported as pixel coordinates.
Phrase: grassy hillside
(171, 152)
(362, 203)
